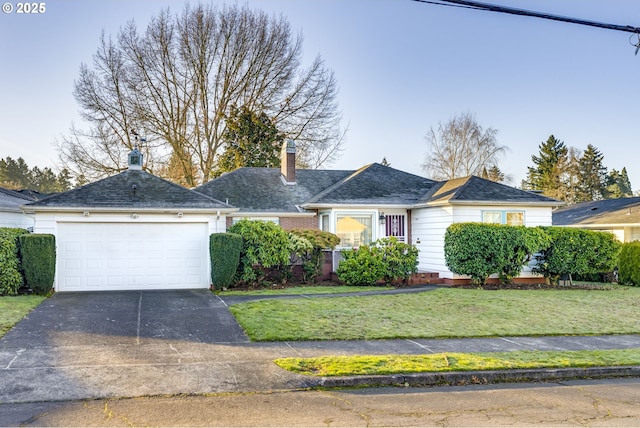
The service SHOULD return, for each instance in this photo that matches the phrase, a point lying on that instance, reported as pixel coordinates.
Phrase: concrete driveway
(131, 343)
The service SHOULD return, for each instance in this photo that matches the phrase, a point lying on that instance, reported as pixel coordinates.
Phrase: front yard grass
(369, 365)
(444, 313)
(14, 308)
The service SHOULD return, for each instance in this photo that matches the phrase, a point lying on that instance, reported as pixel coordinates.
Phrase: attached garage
(131, 231)
(132, 256)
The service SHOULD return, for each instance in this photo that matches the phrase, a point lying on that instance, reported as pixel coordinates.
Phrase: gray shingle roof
(263, 190)
(131, 189)
(608, 211)
(476, 189)
(11, 201)
(374, 184)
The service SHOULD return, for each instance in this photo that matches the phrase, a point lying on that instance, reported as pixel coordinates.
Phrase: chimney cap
(290, 146)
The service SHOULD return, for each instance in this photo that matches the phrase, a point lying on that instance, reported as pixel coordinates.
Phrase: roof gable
(472, 189)
(130, 189)
(607, 211)
(374, 184)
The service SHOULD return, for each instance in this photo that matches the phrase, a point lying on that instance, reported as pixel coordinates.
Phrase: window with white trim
(512, 218)
(354, 229)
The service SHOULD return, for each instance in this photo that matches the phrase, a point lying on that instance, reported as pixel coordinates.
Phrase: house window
(324, 223)
(394, 226)
(515, 218)
(354, 230)
(512, 218)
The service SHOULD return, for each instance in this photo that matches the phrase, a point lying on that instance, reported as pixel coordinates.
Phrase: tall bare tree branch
(459, 148)
(176, 83)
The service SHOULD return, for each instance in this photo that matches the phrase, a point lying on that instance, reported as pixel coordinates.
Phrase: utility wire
(523, 12)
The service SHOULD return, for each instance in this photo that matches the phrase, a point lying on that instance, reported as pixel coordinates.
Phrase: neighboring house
(130, 231)
(618, 216)
(376, 201)
(11, 215)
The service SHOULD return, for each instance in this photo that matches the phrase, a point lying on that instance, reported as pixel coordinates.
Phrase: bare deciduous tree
(459, 148)
(176, 82)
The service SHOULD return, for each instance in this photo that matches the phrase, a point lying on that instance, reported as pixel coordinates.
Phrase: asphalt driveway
(128, 317)
(131, 343)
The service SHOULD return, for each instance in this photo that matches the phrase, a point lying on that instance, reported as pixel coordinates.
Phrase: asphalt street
(614, 403)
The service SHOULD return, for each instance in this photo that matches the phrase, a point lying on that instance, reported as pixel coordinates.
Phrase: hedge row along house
(136, 231)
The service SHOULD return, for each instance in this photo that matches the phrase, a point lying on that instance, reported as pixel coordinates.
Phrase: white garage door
(132, 256)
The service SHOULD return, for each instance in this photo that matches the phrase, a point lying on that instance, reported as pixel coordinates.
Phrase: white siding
(428, 226)
(10, 219)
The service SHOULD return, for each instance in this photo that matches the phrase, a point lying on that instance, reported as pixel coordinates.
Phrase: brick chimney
(288, 162)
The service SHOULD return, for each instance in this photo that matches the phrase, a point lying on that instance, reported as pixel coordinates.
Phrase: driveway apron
(130, 343)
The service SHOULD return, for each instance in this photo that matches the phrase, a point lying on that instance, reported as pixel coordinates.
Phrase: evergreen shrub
(224, 250)
(576, 252)
(386, 259)
(265, 245)
(479, 250)
(629, 264)
(313, 258)
(10, 276)
(38, 261)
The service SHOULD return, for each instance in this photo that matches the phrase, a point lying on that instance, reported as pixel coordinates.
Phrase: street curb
(477, 377)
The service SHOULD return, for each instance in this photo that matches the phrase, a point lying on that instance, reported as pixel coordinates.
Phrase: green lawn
(310, 289)
(445, 362)
(14, 308)
(444, 313)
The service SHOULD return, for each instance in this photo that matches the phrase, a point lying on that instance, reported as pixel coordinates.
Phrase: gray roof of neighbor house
(605, 212)
(130, 189)
(374, 184)
(11, 201)
(263, 189)
(476, 189)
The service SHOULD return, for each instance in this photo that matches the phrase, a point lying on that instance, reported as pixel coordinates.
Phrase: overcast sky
(402, 67)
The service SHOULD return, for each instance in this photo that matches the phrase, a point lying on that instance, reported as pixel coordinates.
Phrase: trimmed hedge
(479, 250)
(38, 258)
(629, 264)
(10, 276)
(576, 252)
(224, 250)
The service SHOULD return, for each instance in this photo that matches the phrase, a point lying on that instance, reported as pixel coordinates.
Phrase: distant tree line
(462, 147)
(15, 174)
(566, 174)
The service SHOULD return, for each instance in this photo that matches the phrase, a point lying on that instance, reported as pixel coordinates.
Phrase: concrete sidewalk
(169, 367)
(105, 345)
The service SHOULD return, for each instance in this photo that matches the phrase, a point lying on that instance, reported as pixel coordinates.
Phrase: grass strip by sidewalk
(444, 313)
(14, 308)
(447, 362)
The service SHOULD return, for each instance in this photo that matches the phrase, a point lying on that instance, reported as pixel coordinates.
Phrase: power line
(523, 12)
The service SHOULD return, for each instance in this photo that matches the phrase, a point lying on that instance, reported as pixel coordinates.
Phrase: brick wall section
(288, 223)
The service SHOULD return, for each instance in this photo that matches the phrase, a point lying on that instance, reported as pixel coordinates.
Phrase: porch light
(382, 219)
